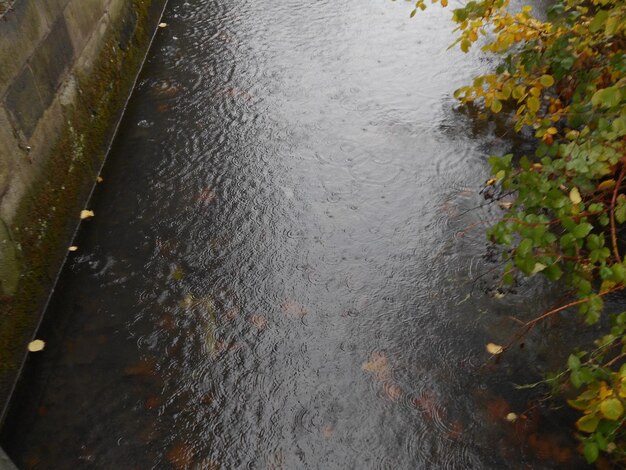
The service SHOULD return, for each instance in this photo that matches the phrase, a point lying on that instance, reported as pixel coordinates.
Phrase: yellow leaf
(538, 268)
(444, 3)
(491, 182)
(496, 106)
(99, 179)
(574, 196)
(608, 184)
(552, 130)
(587, 423)
(533, 104)
(73, 248)
(612, 409)
(494, 348)
(36, 345)
(85, 214)
(162, 25)
(546, 80)
(511, 417)
(473, 36)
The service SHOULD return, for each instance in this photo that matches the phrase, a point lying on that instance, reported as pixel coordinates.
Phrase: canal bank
(68, 68)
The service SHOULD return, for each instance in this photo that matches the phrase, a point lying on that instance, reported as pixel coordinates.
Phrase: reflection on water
(279, 274)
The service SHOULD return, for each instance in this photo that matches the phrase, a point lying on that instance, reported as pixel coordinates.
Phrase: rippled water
(281, 272)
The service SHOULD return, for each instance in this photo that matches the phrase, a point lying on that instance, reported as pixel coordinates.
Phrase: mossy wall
(71, 67)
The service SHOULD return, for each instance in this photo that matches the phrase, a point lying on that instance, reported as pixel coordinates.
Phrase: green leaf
(582, 230)
(620, 212)
(598, 21)
(573, 362)
(607, 97)
(591, 451)
(612, 408)
(588, 423)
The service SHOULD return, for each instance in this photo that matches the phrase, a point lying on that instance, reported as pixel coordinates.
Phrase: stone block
(82, 17)
(21, 30)
(51, 59)
(24, 103)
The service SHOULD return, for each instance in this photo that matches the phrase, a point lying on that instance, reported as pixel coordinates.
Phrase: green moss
(48, 216)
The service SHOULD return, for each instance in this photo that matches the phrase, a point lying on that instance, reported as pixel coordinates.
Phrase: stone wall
(66, 70)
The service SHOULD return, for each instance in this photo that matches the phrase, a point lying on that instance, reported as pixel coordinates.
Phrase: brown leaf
(180, 456)
(259, 321)
(292, 309)
(378, 365)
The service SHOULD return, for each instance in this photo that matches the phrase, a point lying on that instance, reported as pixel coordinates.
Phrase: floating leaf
(393, 391)
(180, 456)
(259, 321)
(511, 417)
(292, 309)
(378, 365)
(162, 25)
(86, 214)
(494, 349)
(99, 179)
(36, 345)
(73, 248)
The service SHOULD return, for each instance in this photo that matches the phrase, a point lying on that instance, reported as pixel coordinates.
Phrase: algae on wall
(35, 242)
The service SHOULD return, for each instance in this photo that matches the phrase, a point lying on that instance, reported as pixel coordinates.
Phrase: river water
(287, 267)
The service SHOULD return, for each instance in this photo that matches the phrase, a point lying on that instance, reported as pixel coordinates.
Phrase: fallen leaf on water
(144, 367)
(259, 321)
(180, 456)
(456, 431)
(328, 430)
(292, 309)
(428, 404)
(497, 408)
(85, 214)
(494, 348)
(511, 417)
(99, 179)
(378, 365)
(393, 391)
(177, 274)
(207, 195)
(73, 248)
(162, 25)
(36, 345)
(232, 313)
(153, 402)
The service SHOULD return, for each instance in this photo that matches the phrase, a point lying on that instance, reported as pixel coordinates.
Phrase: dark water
(280, 272)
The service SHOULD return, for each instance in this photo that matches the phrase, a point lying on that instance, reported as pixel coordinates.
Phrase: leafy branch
(564, 80)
